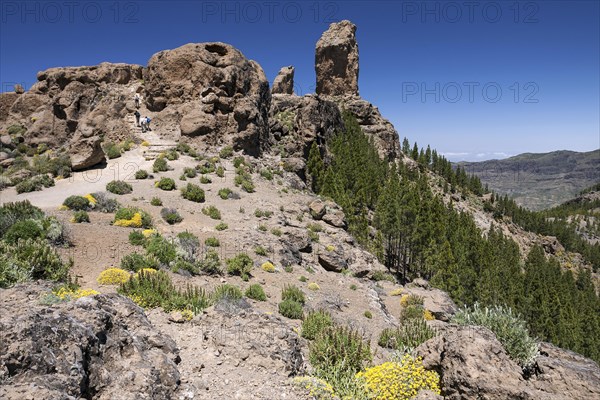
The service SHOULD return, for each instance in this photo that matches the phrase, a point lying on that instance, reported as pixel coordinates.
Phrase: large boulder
(218, 95)
(473, 364)
(100, 347)
(336, 60)
(86, 152)
(284, 81)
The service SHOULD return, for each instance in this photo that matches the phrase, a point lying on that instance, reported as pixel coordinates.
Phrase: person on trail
(137, 117)
(148, 123)
(136, 100)
(144, 124)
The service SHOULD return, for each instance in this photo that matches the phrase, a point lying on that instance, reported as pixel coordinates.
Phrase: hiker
(136, 100)
(148, 123)
(144, 124)
(137, 117)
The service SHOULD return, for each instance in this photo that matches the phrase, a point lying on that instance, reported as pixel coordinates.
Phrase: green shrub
(314, 323)
(135, 262)
(220, 172)
(339, 347)
(112, 150)
(383, 276)
(212, 242)
(119, 187)
(10, 213)
(155, 289)
(221, 226)
(368, 314)
(16, 130)
(211, 264)
(35, 183)
(292, 292)
(80, 216)
(23, 230)
(277, 232)
(226, 152)
(164, 250)
(291, 309)
(267, 174)
(240, 265)
(314, 227)
(181, 264)
(258, 213)
(212, 212)
(190, 172)
(30, 259)
(156, 201)
(303, 279)
(187, 245)
(262, 228)
(193, 193)
(57, 166)
(205, 180)
(237, 161)
(261, 251)
(225, 193)
(171, 155)
(171, 215)
(166, 184)
(226, 292)
(104, 203)
(510, 329)
(76, 203)
(256, 292)
(248, 186)
(409, 335)
(137, 238)
(353, 287)
(141, 174)
(160, 165)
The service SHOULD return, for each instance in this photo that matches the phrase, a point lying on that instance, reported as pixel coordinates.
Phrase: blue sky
(476, 80)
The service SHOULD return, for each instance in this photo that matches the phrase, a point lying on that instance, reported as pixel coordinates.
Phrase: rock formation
(68, 107)
(336, 60)
(473, 364)
(284, 81)
(100, 347)
(212, 92)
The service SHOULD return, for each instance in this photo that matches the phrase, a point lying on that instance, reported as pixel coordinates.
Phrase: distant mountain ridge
(539, 180)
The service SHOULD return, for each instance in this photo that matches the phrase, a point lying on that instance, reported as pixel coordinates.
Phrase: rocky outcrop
(68, 107)
(284, 81)
(473, 364)
(436, 301)
(328, 212)
(336, 60)
(213, 93)
(100, 347)
(296, 122)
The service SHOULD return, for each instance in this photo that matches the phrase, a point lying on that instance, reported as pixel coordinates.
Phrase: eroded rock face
(473, 364)
(100, 347)
(336, 60)
(214, 93)
(68, 105)
(284, 81)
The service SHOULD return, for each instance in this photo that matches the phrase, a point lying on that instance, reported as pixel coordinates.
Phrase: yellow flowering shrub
(91, 199)
(399, 380)
(330, 247)
(428, 316)
(187, 315)
(317, 388)
(268, 267)
(145, 143)
(113, 276)
(63, 208)
(396, 292)
(313, 286)
(404, 300)
(134, 222)
(149, 232)
(139, 300)
(69, 294)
